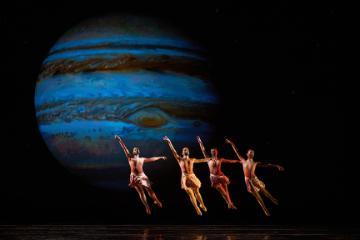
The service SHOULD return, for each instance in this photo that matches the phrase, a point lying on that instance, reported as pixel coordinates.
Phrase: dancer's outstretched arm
(229, 161)
(201, 160)
(202, 147)
(235, 150)
(173, 150)
(123, 146)
(153, 159)
(269, 165)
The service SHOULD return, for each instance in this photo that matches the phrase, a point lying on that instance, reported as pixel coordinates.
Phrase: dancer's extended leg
(142, 196)
(153, 196)
(259, 200)
(229, 201)
(268, 195)
(191, 195)
(199, 199)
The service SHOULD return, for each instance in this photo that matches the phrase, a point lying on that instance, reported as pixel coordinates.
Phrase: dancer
(189, 182)
(254, 185)
(218, 179)
(138, 179)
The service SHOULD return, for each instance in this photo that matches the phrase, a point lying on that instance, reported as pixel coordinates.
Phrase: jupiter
(132, 76)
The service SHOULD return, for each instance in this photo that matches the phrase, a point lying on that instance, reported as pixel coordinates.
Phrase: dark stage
(160, 232)
(275, 70)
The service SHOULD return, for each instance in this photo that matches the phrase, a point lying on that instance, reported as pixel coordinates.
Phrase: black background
(275, 68)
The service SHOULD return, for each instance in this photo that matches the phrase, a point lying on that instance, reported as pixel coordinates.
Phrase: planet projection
(132, 76)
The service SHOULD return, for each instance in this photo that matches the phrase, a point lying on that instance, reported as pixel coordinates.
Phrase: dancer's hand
(163, 157)
(117, 138)
(280, 168)
(166, 139)
(228, 141)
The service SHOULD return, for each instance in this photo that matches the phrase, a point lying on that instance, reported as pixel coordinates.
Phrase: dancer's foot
(267, 213)
(203, 208)
(158, 203)
(148, 211)
(232, 206)
(198, 211)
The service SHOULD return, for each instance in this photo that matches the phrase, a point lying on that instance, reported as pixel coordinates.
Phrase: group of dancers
(190, 183)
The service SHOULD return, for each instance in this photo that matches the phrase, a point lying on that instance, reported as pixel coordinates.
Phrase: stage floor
(159, 232)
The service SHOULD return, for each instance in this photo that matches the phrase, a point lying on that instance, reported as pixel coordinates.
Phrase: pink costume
(218, 179)
(139, 179)
(255, 183)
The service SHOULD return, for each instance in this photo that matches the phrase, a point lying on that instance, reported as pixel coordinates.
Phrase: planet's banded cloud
(121, 75)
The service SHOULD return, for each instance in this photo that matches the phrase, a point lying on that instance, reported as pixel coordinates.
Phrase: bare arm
(201, 160)
(173, 150)
(235, 150)
(123, 146)
(269, 165)
(229, 161)
(202, 147)
(153, 159)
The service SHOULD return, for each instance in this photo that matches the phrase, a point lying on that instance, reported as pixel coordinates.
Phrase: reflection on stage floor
(160, 232)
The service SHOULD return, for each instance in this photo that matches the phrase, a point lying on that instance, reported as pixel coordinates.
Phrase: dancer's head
(214, 152)
(136, 151)
(250, 154)
(185, 152)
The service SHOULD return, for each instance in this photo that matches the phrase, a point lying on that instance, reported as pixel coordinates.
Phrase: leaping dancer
(189, 182)
(218, 179)
(254, 185)
(138, 179)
